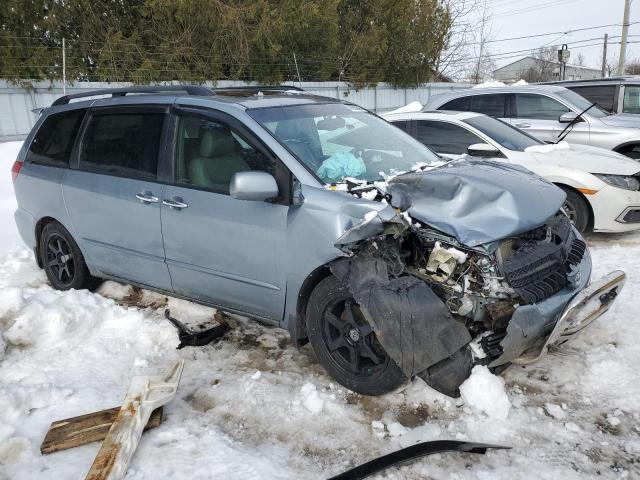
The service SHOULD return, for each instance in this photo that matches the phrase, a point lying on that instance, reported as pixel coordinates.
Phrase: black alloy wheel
(59, 260)
(62, 259)
(350, 339)
(344, 342)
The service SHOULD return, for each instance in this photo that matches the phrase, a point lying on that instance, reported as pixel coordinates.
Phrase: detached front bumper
(585, 307)
(535, 328)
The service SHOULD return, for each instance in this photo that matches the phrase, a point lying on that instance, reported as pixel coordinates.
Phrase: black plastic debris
(411, 453)
(189, 338)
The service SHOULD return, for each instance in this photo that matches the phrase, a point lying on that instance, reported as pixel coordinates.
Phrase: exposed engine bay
(455, 300)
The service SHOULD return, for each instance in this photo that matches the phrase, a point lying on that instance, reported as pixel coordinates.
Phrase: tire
(337, 329)
(576, 207)
(632, 151)
(62, 260)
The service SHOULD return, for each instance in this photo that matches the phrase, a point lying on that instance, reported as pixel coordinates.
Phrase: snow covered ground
(254, 407)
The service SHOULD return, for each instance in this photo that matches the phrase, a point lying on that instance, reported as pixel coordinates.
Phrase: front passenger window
(209, 153)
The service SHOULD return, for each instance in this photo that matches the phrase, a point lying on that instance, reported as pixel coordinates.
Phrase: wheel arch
(589, 207)
(625, 146)
(297, 326)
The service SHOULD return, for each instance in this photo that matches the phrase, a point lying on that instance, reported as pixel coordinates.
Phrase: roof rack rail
(257, 88)
(121, 92)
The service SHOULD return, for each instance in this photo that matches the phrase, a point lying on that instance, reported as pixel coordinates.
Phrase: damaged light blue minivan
(312, 214)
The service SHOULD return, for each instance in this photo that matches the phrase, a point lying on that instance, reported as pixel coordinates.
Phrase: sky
(515, 18)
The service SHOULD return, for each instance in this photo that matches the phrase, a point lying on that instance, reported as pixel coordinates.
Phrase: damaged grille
(537, 269)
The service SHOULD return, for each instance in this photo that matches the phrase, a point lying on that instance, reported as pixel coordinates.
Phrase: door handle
(523, 125)
(146, 197)
(175, 202)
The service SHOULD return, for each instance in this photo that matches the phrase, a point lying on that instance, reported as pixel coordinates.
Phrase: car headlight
(620, 181)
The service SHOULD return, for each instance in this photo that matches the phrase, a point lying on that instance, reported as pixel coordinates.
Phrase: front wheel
(345, 344)
(62, 259)
(577, 209)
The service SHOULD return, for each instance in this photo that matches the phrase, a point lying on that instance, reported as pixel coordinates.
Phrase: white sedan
(602, 187)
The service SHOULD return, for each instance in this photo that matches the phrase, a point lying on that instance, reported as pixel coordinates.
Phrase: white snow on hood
(412, 107)
(548, 148)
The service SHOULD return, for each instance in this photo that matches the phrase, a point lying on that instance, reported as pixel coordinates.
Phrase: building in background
(534, 69)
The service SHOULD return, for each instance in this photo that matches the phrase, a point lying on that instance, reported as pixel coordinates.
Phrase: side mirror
(483, 150)
(569, 117)
(255, 186)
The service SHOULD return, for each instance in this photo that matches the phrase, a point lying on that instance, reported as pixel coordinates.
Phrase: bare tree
(611, 65)
(483, 64)
(633, 67)
(453, 61)
(580, 60)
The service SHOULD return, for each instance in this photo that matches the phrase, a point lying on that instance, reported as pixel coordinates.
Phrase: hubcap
(60, 261)
(351, 341)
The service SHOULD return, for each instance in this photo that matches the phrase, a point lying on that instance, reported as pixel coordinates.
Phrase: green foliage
(141, 41)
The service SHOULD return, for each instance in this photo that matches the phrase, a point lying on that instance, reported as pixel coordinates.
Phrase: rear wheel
(62, 260)
(577, 209)
(345, 344)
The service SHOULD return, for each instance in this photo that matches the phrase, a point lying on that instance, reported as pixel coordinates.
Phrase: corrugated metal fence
(17, 103)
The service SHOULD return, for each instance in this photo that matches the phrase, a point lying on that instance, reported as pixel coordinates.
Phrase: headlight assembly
(620, 181)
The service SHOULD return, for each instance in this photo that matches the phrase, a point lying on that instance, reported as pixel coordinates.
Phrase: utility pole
(625, 32)
(64, 68)
(604, 55)
(297, 71)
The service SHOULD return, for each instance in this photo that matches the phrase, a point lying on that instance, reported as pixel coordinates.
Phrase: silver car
(549, 113)
(294, 209)
(614, 94)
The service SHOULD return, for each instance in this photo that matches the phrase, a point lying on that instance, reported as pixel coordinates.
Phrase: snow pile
(412, 107)
(520, 83)
(10, 237)
(255, 407)
(484, 392)
(490, 84)
(548, 148)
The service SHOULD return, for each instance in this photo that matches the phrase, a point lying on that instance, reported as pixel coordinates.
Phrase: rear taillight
(15, 169)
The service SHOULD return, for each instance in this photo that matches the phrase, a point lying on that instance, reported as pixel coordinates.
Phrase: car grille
(538, 267)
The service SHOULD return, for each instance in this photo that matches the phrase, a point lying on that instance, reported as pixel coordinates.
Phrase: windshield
(582, 103)
(337, 141)
(509, 137)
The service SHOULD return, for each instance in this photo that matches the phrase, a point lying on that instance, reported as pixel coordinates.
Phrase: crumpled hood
(622, 120)
(477, 202)
(587, 159)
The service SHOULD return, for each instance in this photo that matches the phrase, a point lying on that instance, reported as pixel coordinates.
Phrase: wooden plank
(93, 427)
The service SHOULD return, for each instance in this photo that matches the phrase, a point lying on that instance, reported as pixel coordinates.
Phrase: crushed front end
(439, 306)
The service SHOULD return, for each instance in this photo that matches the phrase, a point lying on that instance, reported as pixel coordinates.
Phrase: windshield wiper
(573, 122)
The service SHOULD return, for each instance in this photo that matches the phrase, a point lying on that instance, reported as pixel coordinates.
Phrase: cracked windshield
(338, 141)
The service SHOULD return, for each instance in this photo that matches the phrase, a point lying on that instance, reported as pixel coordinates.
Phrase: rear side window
(444, 137)
(54, 139)
(538, 107)
(124, 144)
(603, 95)
(492, 105)
(462, 104)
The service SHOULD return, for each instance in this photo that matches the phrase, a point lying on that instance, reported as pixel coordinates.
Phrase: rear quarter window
(53, 142)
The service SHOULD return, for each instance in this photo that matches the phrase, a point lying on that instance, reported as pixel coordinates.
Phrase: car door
(113, 195)
(220, 249)
(539, 114)
(444, 138)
